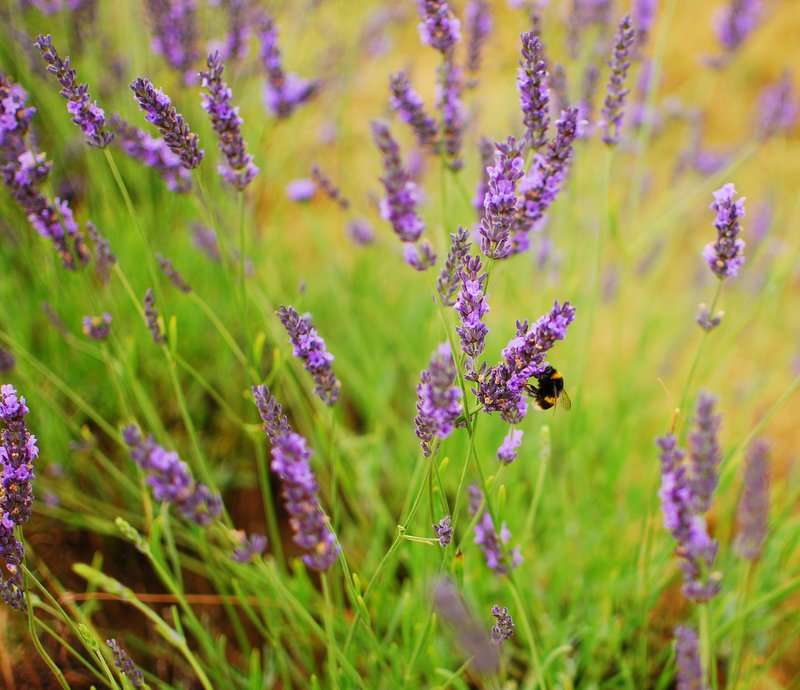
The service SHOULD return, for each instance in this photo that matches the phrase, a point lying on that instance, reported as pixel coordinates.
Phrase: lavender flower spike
(125, 665)
(283, 93)
(290, 461)
(444, 531)
(503, 629)
(399, 204)
(160, 112)
(226, 122)
(104, 257)
(778, 106)
(439, 28)
(615, 92)
(310, 347)
(324, 183)
(491, 544)
(501, 201)
(725, 257)
(754, 503)
(172, 274)
(507, 452)
(410, 108)
(17, 452)
(687, 653)
(175, 32)
(735, 22)
(151, 316)
(97, 327)
(472, 306)
(448, 283)
(249, 548)
(534, 94)
(478, 25)
(171, 479)
(448, 102)
(438, 396)
(420, 256)
(85, 112)
(704, 453)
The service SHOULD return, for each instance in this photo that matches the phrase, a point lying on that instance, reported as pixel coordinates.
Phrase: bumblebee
(549, 390)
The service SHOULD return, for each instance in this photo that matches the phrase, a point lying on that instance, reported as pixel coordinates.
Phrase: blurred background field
(599, 578)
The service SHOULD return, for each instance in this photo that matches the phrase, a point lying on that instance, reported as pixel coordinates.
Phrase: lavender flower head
(704, 453)
(151, 316)
(503, 629)
(492, 545)
(226, 122)
(448, 102)
(360, 231)
(15, 117)
(85, 112)
(615, 91)
(736, 21)
(478, 26)
(507, 452)
(448, 283)
(324, 183)
(410, 108)
(283, 92)
(310, 348)
(171, 479)
(290, 461)
(301, 190)
(753, 510)
(687, 659)
(706, 321)
(420, 256)
(125, 665)
(399, 204)
(174, 24)
(500, 203)
(154, 153)
(443, 531)
(104, 257)
(17, 453)
(97, 327)
(172, 274)
(778, 105)
(725, 257)
(534, 94)
(249, 548)
(472, 306)
(7, 361)
(439, 28)
(644, 14)
(695, 547)
(438, 398)
(160, 112)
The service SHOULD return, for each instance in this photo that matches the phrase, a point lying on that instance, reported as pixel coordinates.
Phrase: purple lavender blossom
(174, 25)
(151, 316)
(420, 256)
(724, 257)
(507, 452)
(472, 306)
(695, 547)
(706, 321)
(543, 182)
(235, 47)
(704, 453)
(249, 548)
(154, 153)
(438, 399)
(478, 26)
(161, 113)
(172, 274)
(7, 361)
(301, 190)
(126, 666)
(448, 102)
(486, 148)
(439, 28)
(503, 629)
(15, 118)
(333, 192)
(17, 453)
(410, 108)
(310, 348)
(534, 94)
(615, 92)
(591, 80)
(399, 204)
(226, 122)
(283, 93)
(753, 510)
(687, 659)
(360, 231)
(778, 106)
(290, 461)
(444, 531)
(104, 257)
(736, 21)
(171, 480)
(500, 203)
(449, 281)
(97, 327)
(85, 112)
(644, 15)
(491, 545)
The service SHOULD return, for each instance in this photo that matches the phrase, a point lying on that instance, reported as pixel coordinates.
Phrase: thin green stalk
(707, 656)
(35, 637)
(737, 644)
(330, 637)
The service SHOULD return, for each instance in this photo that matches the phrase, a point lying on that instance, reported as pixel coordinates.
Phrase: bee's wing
(563, 398)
